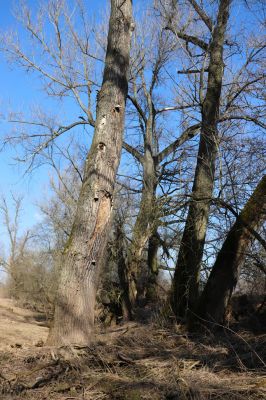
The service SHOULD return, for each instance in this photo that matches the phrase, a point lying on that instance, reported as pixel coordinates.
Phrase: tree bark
(225, 272)
(79, 275)
(153, 247)
(143, 227)
(122, 270)
(153, 267)
(187, 273)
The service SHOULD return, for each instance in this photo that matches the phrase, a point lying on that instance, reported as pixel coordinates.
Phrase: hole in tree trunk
(101, 146)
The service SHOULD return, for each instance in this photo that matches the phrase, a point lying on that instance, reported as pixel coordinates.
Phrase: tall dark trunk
(79, 275)
(187, 273)
(225, 272)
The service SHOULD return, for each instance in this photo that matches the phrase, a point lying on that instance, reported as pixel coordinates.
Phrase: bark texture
(79, 275)
(186, 277)
(225, 272)
(122, 270)
(153, 268)
(153, 247)
(146, 219)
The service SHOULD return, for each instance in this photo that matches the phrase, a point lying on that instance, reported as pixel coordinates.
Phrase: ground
(19, 327)
(133, 362)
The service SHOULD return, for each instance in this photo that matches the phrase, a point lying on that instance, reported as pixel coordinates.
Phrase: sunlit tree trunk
(74, 310)
(225, 272)
(187, 274)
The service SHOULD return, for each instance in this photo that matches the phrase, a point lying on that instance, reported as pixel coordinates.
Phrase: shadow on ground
(135, 362)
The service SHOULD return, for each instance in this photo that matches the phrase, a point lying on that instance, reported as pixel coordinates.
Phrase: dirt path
(19, 326)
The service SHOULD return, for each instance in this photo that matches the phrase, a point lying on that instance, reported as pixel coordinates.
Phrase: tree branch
(138, 107)
(242, 117)
(192, 71)
(205, 18)
(189, 133)
(134, 152)
(189, 38)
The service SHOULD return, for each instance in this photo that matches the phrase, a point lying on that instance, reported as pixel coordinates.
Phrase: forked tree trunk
(187, 273)
(79, 275)
(225, 272)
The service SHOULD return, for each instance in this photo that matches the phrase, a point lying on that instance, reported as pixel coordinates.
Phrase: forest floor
(132, 362)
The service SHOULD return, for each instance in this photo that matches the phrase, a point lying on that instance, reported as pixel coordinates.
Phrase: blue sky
(20, 91)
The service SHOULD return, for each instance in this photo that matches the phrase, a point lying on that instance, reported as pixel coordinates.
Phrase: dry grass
(135, 362)
(19, 326)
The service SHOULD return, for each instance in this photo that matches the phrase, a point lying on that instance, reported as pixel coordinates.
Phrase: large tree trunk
(187, 273)
(225, 272)
(79, 275)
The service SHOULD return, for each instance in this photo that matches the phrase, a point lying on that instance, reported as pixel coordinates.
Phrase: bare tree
(166, 109)
(69, 62)
(186, 279)
(234, 110)
(17, 242)
(154, 149)
(74, 310)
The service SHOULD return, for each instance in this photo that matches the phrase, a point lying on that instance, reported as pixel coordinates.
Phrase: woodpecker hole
(117, 108)
(101, 146)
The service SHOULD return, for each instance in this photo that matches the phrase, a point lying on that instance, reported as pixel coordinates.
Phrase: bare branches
(242, 117)
(50, 137)
(241, 88)
(17, 242)
(61, 63)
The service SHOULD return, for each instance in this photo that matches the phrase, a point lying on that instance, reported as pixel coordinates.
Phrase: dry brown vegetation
(133, 361)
